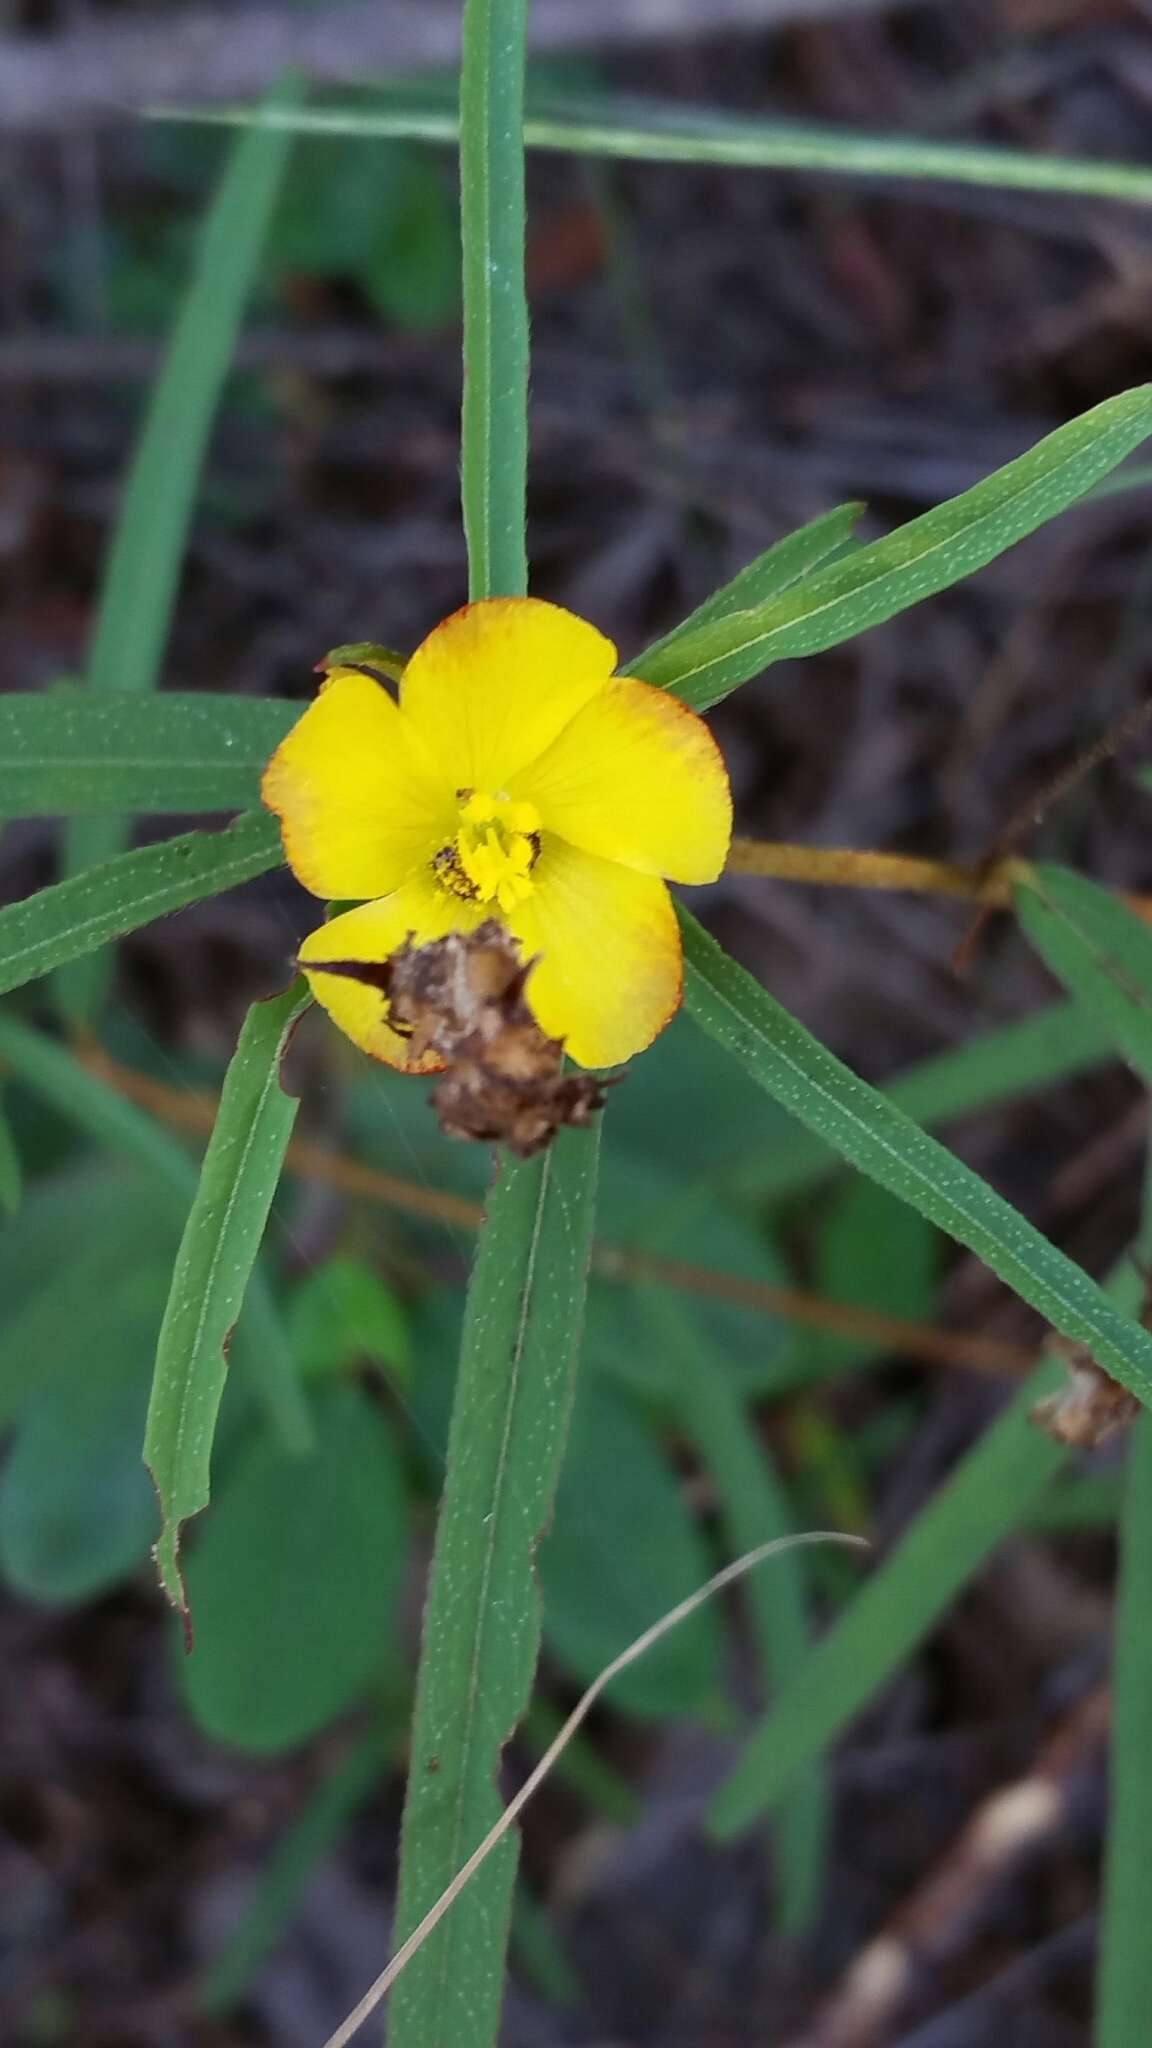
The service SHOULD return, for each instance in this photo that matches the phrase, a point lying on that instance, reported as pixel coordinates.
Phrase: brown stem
(859, 868)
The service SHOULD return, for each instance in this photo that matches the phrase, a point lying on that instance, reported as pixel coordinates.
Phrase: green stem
(526, 1297)
(482, 1621)
(494, 422)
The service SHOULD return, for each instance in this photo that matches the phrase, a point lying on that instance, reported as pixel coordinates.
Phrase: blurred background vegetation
(201, 1851)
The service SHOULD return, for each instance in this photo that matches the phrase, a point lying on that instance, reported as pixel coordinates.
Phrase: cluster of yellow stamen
(496, 847)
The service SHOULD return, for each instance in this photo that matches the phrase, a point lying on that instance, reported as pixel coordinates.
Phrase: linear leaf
(144, 562)
(494, 417)
(65, 752)
(73, 918)
(1100, 950)
(652, 133)
(1009, 1060)
(870, 1132)
(926, 555)
(988, 1495)
(768, 576)
(221, 1239)
(482, 1619)
(1124, 1982)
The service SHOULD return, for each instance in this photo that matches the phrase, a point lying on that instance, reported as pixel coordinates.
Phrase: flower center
(496, 847)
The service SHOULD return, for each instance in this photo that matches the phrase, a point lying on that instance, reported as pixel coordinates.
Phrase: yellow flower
(516, 778)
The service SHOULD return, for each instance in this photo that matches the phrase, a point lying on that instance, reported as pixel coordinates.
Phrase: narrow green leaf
(143, 567)
(867, 1129)
(753, 1508)
(326, 1812)
(482, 1619)
(1100, 950)
(988, 1495)
(64, 753)
(75, 917)
(769, 576)
(944, 545)
(11, 1171)
(494, 418)
(221, 1239)
(1124, 1982)
(1010, 1060)
(294, 1581)
(648, 132)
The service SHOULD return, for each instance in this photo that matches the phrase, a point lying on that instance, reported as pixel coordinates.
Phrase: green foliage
(644, 131)
(11, 1170)
(876, 1137)
(344, 1315)
(644, 1213)
(1032, 1052)
(1101, 951)
(77, 1510)
(90, 1243)
(66, 753)
(221, 1239)
(295, 1578)
(876, 582)
(96, 1107)
(778, 569)
(294, 1581)
(753, 1507)
(494, 414)
(77, 917)
(147, 550)
(380, 218)
(870, 1251)
(986, 1497)
(482, 1619)
(623, 1549)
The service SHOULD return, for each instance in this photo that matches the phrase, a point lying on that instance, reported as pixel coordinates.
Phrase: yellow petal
(611, 970)
(491, 687)
(360, 803)
(638, 778)
(371, 933)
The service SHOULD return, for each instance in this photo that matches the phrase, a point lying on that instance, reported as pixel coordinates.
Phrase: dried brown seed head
(1090, 1407)
(461, 999)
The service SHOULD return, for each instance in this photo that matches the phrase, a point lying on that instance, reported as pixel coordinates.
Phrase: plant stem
(494, 418)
